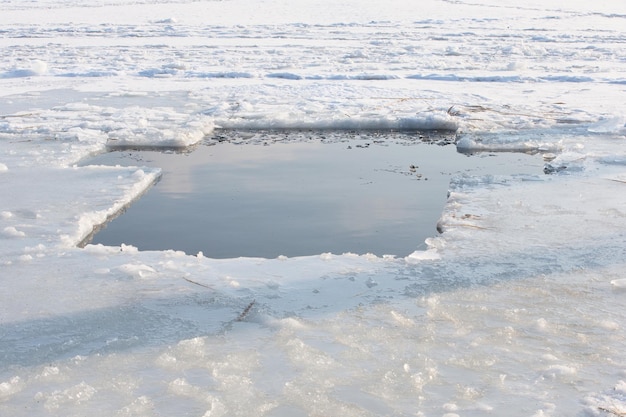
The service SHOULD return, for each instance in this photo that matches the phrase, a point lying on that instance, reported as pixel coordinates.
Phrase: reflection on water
(245, 196)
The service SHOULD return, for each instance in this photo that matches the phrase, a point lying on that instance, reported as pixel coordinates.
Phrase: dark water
(265, 194)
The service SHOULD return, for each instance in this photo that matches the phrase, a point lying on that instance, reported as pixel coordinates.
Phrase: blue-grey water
(265, 194)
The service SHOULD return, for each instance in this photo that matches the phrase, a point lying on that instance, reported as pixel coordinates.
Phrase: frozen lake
(516, 309)
(297, 193)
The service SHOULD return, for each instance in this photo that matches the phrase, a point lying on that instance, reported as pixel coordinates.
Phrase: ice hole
(295, 193)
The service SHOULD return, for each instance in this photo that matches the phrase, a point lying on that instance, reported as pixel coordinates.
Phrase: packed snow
(515, 309)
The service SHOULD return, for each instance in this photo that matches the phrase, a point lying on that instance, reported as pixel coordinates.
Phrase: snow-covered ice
(515, 309)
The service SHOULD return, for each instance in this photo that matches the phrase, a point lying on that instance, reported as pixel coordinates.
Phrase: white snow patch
(71, 396)
(619, 283)
(33, 69)
(615, 124)
(611, 402)
(11, 231)
(10, 387)
(137, 270)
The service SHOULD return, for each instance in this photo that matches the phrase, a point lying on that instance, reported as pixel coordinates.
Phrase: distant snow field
(515, 309)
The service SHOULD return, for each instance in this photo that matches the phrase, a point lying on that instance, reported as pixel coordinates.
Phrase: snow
(516, 308)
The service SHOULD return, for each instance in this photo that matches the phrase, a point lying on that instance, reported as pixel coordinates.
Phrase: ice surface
(516, 309)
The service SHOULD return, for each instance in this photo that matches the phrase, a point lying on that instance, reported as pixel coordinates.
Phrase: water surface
(265, 194)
